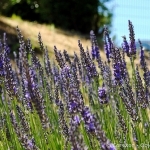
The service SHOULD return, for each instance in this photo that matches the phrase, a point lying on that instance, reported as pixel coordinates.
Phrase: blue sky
(137, 11)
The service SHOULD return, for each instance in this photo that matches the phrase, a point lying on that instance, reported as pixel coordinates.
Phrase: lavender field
(75, 103)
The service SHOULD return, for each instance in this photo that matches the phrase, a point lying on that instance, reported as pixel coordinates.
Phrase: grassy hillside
(51, 36)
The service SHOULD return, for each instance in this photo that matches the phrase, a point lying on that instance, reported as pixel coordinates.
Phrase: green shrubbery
(81, 16)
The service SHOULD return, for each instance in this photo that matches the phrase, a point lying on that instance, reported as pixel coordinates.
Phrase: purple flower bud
(112, 147)
(47, 63)
(107, 44)
(95, 49)
(132, 46)
(90, 127)
(95, 52)
(142, 58)
(2, 72)
(125, 45)
(103, 99)
(77, 119)
(30, 144)
(108, 146)
(65, 72)
(102, 93)
(27, 95)
(72, 106)
(132, 49)
(89, 120)
(117, 72)
(107, 51)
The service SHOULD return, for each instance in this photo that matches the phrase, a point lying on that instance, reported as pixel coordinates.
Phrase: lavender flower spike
(106, 50)
(125, 45)
(142, 58)
(132, 47)
(107, 44)
(95, 49)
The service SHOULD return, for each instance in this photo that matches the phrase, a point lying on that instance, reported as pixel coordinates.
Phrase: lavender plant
(79, 103)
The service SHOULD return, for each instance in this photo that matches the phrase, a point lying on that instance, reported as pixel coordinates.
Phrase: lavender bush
(79, 103)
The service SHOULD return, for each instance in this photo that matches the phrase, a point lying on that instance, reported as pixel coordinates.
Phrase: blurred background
(76, 16)
(136, 11)
(81, 16)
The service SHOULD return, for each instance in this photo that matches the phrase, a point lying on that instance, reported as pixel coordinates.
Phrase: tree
(77, 15)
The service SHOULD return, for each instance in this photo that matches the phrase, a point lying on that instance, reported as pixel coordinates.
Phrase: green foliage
(74, 15)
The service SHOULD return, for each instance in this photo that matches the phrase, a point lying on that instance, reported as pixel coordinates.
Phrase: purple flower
(74, 134)
(86, 113)
(90, 127)
(47, 64)
(102, 93)
(117, 72)
(67, 57)
(108, 146)
(27, 95)
(65, 72)
(95, 52)
(142, 63)
(140, 90)
(112, 147)
(76, 119)
(89, 120)
(132, 47)
(33, 77)
(142, 58)
(107, 51)
(72, 106)
(103, 99)
(125, 45)
(2, 72)
(59, 57)
(30, 144)
(107, 44)
(95, 49)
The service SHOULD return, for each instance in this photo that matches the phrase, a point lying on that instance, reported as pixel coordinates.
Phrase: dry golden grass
(50, 35)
